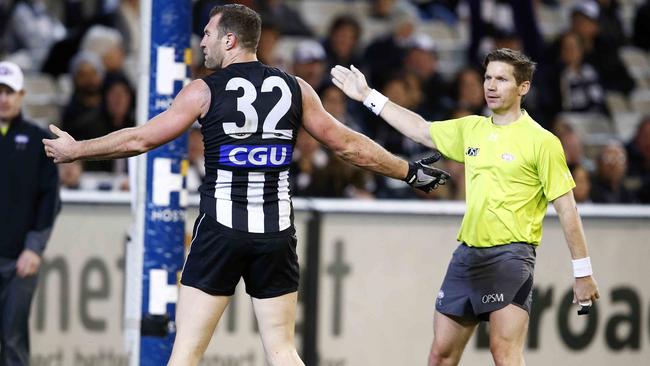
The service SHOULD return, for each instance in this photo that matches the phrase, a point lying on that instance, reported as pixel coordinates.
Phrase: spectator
(391, 10)
(571, 144)
(422, 60)
(469, 91)
(443, 10)
(599, 51)
(117, 112)
(29, 202)
(201, 14)
(32, 32)
(638, 150)
(118, 102)
(77, 24)
(81, 115)
(309, 62)
(269, 38)
(108, 44)
(507, 38)
(610, 22)
(288, 20)
(70, 175)
(127, 22)
(5, 8)
(335, 103)
(641, 30)
(385, 54)
(608, 182)
(397, 90)
(578, 82)
(308, 158)
(525, 26)
(342, 42)
(582, 190)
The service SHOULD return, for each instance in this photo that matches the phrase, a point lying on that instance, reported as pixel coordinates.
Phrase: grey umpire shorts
(482, 280)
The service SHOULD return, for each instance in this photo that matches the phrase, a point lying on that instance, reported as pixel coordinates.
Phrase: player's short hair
(241, 20)
(524, 67)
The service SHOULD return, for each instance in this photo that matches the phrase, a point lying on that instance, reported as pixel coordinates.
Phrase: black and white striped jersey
(249, 134)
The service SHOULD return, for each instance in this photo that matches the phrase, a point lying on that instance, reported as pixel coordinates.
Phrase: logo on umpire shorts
(441, 294)
(490, 298)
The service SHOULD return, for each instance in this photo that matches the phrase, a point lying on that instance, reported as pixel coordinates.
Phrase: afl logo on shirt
(249, 156)
(507, 157)
(472, 151)
(21, 141)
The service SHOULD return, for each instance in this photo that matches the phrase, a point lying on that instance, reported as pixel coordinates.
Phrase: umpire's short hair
(523, 65)
(241, 20)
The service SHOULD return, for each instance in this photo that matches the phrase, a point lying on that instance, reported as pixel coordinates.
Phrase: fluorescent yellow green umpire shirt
(511, 173)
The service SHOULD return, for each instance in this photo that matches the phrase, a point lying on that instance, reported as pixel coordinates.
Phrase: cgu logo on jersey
(251, 156)
(472, 151)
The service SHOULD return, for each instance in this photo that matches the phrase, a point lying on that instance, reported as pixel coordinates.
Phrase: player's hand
(61, 148)
(351, 81)
(28, 263)
(423, 176)
(585, 290)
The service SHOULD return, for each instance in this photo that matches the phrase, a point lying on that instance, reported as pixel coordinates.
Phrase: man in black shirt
(29, 201)
(250, 114)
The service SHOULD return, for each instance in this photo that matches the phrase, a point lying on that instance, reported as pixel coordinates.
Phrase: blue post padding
(164, 231)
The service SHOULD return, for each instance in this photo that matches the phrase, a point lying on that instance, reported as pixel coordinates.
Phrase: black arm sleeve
(48, 206)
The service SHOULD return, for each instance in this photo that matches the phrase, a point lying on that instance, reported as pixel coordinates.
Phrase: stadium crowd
(591, 88)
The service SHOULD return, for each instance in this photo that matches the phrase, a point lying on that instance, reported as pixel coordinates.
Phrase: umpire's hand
(423, 176)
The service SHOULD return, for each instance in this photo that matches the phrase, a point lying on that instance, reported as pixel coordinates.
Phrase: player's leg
(508, 327)
(210, 275)
(272, 281)
(197, 315)
(276, 318)
(450, 336)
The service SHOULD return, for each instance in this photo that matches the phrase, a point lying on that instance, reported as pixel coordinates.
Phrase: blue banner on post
(166, 195)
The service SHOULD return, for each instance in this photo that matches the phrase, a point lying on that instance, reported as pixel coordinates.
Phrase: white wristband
(375, 101)
(582, 267)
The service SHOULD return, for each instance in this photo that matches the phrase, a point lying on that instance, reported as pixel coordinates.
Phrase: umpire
(29, 202)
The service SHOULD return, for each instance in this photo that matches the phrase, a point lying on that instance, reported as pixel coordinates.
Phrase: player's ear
(231, 41)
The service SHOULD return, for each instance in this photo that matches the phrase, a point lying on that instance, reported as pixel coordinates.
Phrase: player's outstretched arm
(585, 288)
(191, 102)
(353, 83)
(361, 151)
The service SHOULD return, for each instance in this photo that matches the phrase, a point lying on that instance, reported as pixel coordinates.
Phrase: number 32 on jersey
(245, 106)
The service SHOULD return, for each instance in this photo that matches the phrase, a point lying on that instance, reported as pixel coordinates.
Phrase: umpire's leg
(15, 302)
